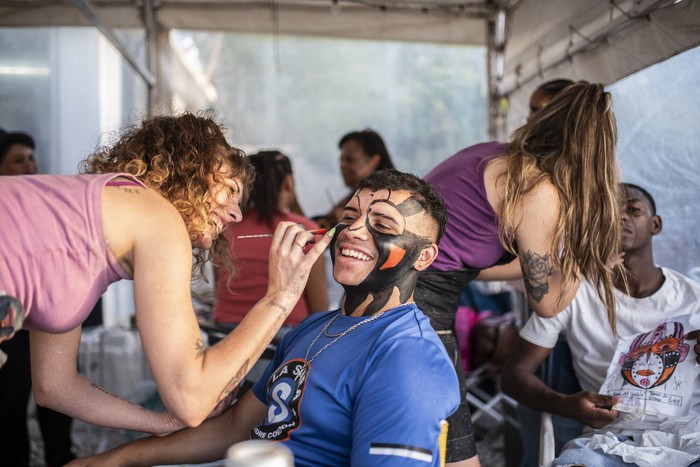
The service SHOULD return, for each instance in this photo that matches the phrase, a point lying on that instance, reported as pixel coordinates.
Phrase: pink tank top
(53, 254)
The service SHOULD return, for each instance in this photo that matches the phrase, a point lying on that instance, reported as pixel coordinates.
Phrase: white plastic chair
(547, 450)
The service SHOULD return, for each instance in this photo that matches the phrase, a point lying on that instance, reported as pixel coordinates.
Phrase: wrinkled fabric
(655, 447)
(676, 443)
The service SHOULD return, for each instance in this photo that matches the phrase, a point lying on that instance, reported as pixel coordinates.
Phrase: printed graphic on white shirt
(653, 372)
(285, 389)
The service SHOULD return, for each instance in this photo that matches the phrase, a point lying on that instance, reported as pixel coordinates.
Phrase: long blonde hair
(178, 156)
(572, 143)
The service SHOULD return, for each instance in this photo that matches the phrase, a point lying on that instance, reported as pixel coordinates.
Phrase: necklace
(337, 336)
(328, 334)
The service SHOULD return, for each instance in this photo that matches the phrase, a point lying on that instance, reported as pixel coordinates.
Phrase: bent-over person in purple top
(473, 244)
(550, 198)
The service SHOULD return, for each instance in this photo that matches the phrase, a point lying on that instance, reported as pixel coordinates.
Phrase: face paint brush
(269, 235)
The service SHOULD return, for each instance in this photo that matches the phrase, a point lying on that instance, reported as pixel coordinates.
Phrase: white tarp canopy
(529, 40)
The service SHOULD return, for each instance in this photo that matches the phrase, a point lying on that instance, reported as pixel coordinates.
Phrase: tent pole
(91, 15)
(152, 52)
(497, 104)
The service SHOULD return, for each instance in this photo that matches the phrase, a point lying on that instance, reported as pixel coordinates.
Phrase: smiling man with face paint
(368, 384)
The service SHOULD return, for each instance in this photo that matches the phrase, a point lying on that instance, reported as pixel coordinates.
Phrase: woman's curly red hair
(179, 157)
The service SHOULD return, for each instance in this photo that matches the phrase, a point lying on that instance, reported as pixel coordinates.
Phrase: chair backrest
(492, 339)
(555, 431)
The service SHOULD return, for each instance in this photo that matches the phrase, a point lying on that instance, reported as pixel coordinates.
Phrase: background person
(549, 198)
(651, 295)
(166, 186)
(361, 153)
(545, 92)
(17, 154)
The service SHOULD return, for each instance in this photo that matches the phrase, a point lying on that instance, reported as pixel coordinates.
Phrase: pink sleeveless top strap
(53, 255)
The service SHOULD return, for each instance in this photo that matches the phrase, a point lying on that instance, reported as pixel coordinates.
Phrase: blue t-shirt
(376, 396)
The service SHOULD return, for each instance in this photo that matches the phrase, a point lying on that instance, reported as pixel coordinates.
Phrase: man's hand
(695, 335)
(592, 409)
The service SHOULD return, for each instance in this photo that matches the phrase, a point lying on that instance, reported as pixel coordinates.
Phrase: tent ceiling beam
(433, 21)
(93, 17)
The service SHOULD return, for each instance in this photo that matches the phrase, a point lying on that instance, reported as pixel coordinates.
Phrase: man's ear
(426, 258)
(656, 225)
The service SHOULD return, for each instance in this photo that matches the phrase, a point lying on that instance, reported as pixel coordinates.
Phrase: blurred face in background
(538, 101)
(355, 164)
(19, 160)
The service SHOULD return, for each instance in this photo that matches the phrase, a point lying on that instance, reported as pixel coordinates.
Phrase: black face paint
(394, 267)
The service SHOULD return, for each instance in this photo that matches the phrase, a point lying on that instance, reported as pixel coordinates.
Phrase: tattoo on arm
(199, 347)
(235, 381)
(113, 395)
(277, 305)
(536, 269)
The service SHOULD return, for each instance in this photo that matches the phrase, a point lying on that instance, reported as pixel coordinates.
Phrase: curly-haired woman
(141, 205)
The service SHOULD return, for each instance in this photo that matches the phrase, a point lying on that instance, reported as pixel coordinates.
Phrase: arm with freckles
(206, 443)
(533, 236)
(57, 384)
(191, 380)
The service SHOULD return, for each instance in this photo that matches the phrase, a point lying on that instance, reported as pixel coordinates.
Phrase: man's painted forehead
(382, 196)
(399, 207)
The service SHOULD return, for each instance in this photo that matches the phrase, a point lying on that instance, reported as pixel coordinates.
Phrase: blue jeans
(577, 452)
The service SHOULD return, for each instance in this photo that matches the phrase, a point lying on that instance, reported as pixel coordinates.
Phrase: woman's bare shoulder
(132, 214)
(543, 192)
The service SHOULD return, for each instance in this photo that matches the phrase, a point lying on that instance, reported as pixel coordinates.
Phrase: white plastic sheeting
(596, 40)
(659, 149)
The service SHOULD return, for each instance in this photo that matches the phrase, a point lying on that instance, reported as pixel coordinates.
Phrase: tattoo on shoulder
(133, 191)
(536, 269)
(199, 347)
